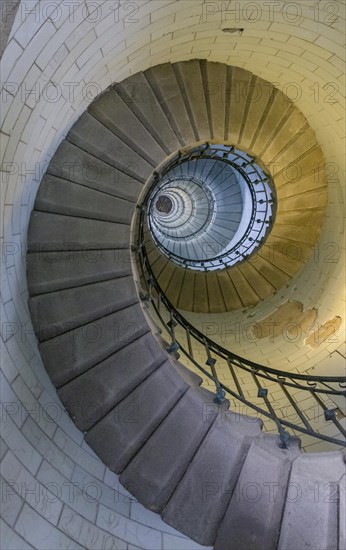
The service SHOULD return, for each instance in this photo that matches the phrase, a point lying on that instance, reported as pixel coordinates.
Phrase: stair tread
(117, 115)
(137, 90)
(197, 506)
(72, 163)
(74, 352)
(261, 94)
(121, 433)
(215, 74)
(190, 72)
(89, 134)
(237, 95)
(110, 381)
(51, 271)
(252, 519)
(55, 232)
(169, 95)
(63, 197)
(155, 471)
(313, 526)
(64, 310)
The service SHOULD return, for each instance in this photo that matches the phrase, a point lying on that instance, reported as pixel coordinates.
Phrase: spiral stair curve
(143, 413)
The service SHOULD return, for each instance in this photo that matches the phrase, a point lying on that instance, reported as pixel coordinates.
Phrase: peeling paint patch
(289, 320)
(324, 332)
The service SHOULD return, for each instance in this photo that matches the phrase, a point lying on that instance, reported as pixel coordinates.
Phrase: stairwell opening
(210, 207)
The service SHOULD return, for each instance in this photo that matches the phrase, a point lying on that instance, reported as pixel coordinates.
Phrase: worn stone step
(54, 232)
(122, 432)
(253, 516)
(155, 471)
(63, 197)
(58, 312)
(72, 353)
(92, 136)
(117, 115)
(74, 164)
(90, 396)
(197, 506)
(51, 271)
(310, 517)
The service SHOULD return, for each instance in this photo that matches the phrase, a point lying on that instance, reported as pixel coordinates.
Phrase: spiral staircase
(178, 450)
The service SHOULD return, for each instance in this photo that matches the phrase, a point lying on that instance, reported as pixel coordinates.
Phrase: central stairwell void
(221, 207)
(163, 198)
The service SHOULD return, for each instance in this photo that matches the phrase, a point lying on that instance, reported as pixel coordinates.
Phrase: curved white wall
(59, 56)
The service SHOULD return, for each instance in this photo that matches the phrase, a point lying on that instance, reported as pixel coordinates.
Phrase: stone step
(252, 519)
(166, 87)
(54, 232)
(90, 396)
(245, 291)
(51, 271)
(156, 470)
(259, 102)
(193, 90)
(186, 374)
(229, 292)
(82, 201)
(62, 311)
(303, 142)
(200, 293)
(273, 258)
(72, 353)
(215, 77)
(197, 506)
(186, 299)
(271, 273)
(264, 287)
(123, 431)
(287, 131)
(279, 108)
(173, 289)
(92, 136)
(74, 164)
(117, 116)
(137, 91)
(216, 301)
(237, 96)
(310, 517)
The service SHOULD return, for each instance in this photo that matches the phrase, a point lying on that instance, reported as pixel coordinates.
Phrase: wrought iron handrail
(246, 165)
(318, 387)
